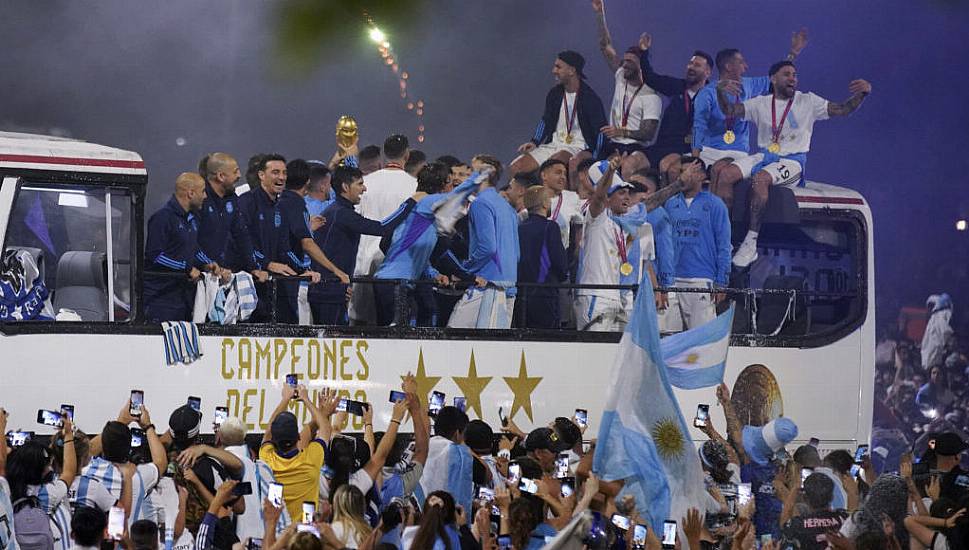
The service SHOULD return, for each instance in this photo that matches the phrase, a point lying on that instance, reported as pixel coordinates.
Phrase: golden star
(522, 386)
(425, 383)
(472, 385)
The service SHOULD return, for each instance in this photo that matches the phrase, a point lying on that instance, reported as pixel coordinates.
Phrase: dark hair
(318, 172)
(415, 157)
(434, 519)
(370, 152)
(115, 441)
(871, 540)
(343, 176)
(396, 146)
(635, 50)
(568, 431)
(449, 420)
(401, 442)
(839, 460)
(530, 467)
(725, 55)
(585, 165)
(550, 163)
(432, 177)
(450, 161)
(144, 534)
(704, 55)
(297, 174)
(87, 526)
(780, 65)
(25, 467)
(267, 158)
(493, 162)
(342, 459)
(524, 515)
(252, 169)
(204, 166)
(527, 179)
(818, 490)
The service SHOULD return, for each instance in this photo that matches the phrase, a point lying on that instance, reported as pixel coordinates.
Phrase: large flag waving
(642, 437)
(696, 358)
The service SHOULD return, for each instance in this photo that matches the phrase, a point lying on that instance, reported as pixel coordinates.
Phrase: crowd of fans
(469, 485)
(597, 197)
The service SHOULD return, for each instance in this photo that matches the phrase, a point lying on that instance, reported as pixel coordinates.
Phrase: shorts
(783, 172)
(743, 161)
(545, 151)
(611, 147)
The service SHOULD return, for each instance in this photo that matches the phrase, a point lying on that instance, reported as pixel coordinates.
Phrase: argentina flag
(642, 436)
(697, 357)
(448, 468)
(451, 207)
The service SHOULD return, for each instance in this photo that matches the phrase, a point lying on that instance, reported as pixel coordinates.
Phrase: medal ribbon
(569, 118)
(687, 104)
(776, 128)
(625, 108)
(621, 245)
(558, 208)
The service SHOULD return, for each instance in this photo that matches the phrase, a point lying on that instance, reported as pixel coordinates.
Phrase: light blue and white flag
(453, 206)
(448, 468)
(696, 358)
(643, 438)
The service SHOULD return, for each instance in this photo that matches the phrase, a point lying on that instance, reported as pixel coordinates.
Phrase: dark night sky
(139, 75)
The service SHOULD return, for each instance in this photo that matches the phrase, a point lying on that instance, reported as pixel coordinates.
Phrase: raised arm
(418, 414)
(285, 398)
(799, 40)
(666, 85)
(690, 171)
(605, 41)
(379, 457)
(730, 109)
(597, 203)
(734, 433)
(859, 90)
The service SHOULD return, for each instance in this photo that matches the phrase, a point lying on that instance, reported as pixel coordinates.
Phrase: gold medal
(626, 269)
(774, 147)
(729, 137)
(568, 139)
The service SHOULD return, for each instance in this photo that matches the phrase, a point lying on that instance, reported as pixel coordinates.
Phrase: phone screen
(309, 510)
(221, 413)
(485, 493)
(137, 438)
(582, 417)
(744, 493)
(669, 534)
(396, 396)
(242, 489)
(116, 523)
(356, 408)
(18, 439)
(860, 453)
(528, 485)
(195, 403)
(620, 521)
(291, 380)
(137, 400)
(855, 469)
(805, 472)
(342, 405)
(436, 403)
(276, 494)
(68, 410)
(254, 544)
(562, 466)
(49, 418)
(460, 403)
(568, 487)
(639, 535)
(702, 416)
(504, 542)
(514, 472)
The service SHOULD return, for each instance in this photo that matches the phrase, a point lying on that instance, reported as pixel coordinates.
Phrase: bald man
(172, 246)
(223, 237)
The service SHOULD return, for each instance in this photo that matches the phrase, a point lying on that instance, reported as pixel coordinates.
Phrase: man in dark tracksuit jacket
(172, 246)
(339, 238)
(676, 130)
(542, 260)
(223, 235)
(585, 108)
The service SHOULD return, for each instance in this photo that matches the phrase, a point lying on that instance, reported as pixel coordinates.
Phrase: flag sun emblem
(668, 438)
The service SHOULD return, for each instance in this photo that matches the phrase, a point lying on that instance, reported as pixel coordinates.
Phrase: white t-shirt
(566, 211)
(798, 126)
(561, 130)
(644, 105)
(96, 495)
(164, 503)
(600, 254)
(359, 479)
(54, 500)
(386, 190)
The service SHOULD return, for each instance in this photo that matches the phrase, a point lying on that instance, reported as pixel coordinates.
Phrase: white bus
(79, 210)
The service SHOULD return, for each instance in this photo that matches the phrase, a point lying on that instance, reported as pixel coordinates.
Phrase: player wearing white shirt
(604, 251)
(636, 108)
(785, 122)
(386, 190)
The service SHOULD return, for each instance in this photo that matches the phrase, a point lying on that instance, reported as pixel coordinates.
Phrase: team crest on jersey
(229, 208)
(211, 210)
(261, 217)
(277, 220)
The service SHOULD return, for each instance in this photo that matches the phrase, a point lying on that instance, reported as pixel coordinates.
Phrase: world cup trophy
(347, 132)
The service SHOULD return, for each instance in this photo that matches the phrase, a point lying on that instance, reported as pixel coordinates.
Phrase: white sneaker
(746, 254)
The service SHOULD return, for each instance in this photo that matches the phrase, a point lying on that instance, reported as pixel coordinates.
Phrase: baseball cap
(599, 168)
(185, 423)
(574, 59)
(544, 438)
(949, 444)
(285, 428)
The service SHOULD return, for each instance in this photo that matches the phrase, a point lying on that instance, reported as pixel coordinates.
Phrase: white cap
(599, 168)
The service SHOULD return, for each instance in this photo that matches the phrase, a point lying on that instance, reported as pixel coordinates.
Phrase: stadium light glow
(377, 35)
(962, 225)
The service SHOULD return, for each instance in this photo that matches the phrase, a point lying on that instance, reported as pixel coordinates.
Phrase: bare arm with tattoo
(605, 41)
(692, 173)
(859, 89)
(647, 129)
(730, 109)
